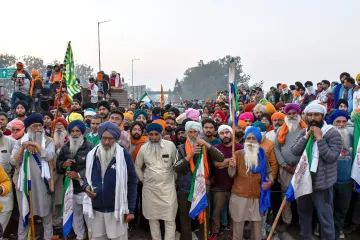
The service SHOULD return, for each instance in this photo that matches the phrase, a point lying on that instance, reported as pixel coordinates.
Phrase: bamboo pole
(32, 224)
(277, 219)
(205, 225)
(233, 124)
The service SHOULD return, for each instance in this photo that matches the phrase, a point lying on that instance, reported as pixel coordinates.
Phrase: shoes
(223, 229)
(213, 236)
(316, 231)
(342, 235)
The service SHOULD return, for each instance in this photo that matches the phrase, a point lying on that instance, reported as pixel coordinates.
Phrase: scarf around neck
(188, 149)
(138, 143)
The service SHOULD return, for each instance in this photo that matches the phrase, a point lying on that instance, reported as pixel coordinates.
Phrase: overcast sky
(278, 40)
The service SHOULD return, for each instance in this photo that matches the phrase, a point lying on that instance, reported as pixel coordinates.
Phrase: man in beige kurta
(158, 178)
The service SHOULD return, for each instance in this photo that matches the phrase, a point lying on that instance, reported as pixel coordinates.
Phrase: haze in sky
(278, 40)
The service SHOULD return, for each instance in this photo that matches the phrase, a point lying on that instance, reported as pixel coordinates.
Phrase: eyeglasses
(110, 139)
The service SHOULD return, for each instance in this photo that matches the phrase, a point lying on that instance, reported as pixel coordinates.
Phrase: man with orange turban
(240, 131)
(277, 120)
(285, 95)
(284, 140)
(36, 86)
(20, 69)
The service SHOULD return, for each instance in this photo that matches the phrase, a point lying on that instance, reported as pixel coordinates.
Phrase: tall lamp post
(132, 75)
(99, 40)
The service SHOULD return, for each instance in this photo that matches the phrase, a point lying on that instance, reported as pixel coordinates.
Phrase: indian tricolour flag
(24, 186)
(197, 195)
(355, 172)
(67, 207)
(145, 98)
(301, 182)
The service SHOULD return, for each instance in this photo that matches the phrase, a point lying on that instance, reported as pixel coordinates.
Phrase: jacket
(182, 166)
(65, 103)
(23, 88)
(105, 187)
(5, 184)
(27, 74)
(80, 162)
(269, 149)
(329, 150)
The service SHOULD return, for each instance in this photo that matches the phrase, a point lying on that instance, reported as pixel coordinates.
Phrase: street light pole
(132, 76)
(99, 41)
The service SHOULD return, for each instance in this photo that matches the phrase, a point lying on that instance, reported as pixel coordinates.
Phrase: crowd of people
(135, 165)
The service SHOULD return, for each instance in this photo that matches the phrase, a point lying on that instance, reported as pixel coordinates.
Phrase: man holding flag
(319, 147)
(72, 162)
(32, 153)
(251, 188)
(194, 151)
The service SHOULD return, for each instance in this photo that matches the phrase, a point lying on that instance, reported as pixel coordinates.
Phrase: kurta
(5, 153)
(40, 196)
(158, 177)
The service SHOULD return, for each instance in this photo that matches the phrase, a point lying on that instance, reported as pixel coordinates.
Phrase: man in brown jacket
(252, 180)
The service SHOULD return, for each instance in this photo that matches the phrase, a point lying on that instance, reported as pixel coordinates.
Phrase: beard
(88, 121)
(126, 128)
(168, 129)
(344, 136)
(192, 141)
(251, 155)
(155, 148)
(226, 140)
(36, 136)
(59, 137)
(136, 136)
(104, 116)
(293, 123)
(208, 134)
(20, 114)
(316, 124)
(106, 155)
(239, 135)
(75, 143)
(181, 140)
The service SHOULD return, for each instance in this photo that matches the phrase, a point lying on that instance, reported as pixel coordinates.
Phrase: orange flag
(162, 98)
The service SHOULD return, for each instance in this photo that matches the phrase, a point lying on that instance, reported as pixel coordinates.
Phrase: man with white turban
(186, 158)
(110, 184)
(258, 110)
(154, 168)
(326, 147)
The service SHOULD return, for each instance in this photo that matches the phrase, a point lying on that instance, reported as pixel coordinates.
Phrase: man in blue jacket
(110, 184)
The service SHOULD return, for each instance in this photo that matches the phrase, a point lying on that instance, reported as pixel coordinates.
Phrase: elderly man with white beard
(285, 137)
(159, 200)
(186, 158)
(110, 183)
(41, 151)
(72, 162)
(6, 146)
(251, 189)
(344, 184)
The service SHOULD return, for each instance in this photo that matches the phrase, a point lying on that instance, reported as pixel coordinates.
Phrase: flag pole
(233, 123)
(57, 110)
(205, 225)
(32, 224)
(277, 219)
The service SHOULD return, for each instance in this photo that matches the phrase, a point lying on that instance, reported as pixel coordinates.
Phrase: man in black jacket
(72, 162)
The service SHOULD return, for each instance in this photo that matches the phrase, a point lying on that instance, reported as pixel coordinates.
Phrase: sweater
(329, 150)
(268, 146)
(283, 152)
(344, 165)
(93, 138)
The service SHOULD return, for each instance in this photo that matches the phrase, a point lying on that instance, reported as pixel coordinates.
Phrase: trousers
(170, 228)
(238, 230)
(219, 200)
(4, 219)
(323, 202)
(78, 220)
(47, 225)
(342, 198)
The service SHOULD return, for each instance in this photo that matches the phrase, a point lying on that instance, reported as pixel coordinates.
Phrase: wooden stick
(233, 124)
(205, 225)
(277, 219)
(57, 111)
(32, 224)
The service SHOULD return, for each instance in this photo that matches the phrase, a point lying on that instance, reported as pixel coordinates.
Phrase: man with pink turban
(248, 117)
(17, 129)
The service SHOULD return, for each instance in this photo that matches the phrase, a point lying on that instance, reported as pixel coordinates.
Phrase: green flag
(69, 75)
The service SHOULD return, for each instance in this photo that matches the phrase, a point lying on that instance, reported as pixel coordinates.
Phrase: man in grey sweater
(284, 140)
(328, 142)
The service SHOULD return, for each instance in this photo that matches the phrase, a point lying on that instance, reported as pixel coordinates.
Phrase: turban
(179, 128)
(175, 111)
(140, 124)
(104, 104)
(113, 72)
(283, 86)
(193, 114)
(223, 127)
(315, 107)
(357, 77)
(279, 105)
(180, 118)
(75, 116)
(156, 111)
(270, 108)
(63, 121)
(165, 116)
(338, 113)
(277, 115)
(247, 115)
(259, 107)
(255, 131)
(161, 122)
(89, 112)
(140, 112)
(18, 123)
(249, 107)
(33, 118)
(49, 114)
(35, 72)
(222, 115)
(154, 127)
(112, 128)
(128, 116)
(242, 123)
(22, 103)
(193, 125)
(292, 106)
(260, 125)
(263, 101)
(79, 124)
